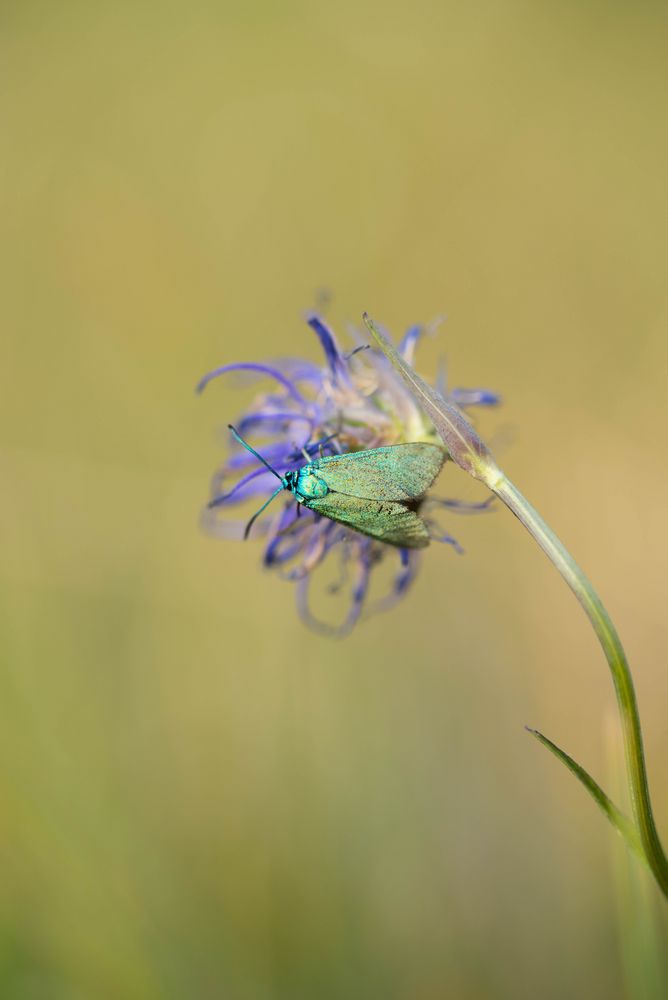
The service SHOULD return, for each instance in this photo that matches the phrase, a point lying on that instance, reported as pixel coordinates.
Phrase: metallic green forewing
(385, 520)
(396, 472)
(368, 490)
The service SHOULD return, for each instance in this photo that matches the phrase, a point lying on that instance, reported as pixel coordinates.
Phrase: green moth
(373, 492)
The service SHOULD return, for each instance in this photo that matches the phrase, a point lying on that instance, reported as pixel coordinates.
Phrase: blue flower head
(352, 402)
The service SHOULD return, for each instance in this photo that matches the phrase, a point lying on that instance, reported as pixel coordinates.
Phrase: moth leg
(326, 440)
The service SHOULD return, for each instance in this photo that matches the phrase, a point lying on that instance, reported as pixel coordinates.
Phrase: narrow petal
(448, 539)
(409, 563)
(256, 369)
(327, 340)
(279, 454)
(474, 397)
(463, 506)
(408, 343)
(256, 483)
(406, 575)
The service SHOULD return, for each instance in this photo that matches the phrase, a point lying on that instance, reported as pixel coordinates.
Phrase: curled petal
(282, 550)
(317, 536)
(256, 483)
(256, 369)
(298, 370)
(409, 563)
(288, 537)
(315, 549)
(360, 586)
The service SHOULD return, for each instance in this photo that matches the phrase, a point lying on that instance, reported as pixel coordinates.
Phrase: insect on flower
(369, 491)
(355, 457)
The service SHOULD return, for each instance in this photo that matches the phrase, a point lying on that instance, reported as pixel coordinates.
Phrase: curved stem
(614, 654)
(472, 455)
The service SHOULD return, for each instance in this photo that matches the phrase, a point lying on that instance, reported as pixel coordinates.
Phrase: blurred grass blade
(621, 823)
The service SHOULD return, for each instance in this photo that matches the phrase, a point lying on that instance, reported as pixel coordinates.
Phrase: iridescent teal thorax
(305, 484)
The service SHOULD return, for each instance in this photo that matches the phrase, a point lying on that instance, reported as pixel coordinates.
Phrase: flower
(356, 401)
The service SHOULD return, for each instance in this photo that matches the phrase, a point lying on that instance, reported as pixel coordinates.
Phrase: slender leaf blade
(621, 823)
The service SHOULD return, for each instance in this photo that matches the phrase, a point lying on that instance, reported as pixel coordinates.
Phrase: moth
(375, 492)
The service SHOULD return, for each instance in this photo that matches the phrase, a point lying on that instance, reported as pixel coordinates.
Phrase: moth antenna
(254, 452)
(258, 512)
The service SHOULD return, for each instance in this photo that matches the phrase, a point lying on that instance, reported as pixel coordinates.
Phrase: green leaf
(620, 822)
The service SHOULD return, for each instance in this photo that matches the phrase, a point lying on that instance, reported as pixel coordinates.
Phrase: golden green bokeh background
(198, 797)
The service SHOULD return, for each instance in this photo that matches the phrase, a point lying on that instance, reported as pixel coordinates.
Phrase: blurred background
(187, 807)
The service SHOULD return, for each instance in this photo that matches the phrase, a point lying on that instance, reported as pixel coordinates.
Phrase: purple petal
(474, 397)
(334, 358)
(279, 552)
(409, 341)
(299, 370)
(275, 421)
(288, 538)
(277, 454)
(409, 565)
(463, 506)
(257, 369)
(317, 536)
(448, 539)
(362, 569)
(406, 574)
(282, 457)
(291, 513)
(256, 483)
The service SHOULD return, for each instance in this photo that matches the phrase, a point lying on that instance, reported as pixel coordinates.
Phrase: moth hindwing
(385, 520)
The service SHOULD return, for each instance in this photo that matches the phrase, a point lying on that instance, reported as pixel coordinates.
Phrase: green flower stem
(472, 455)
(619, 668)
